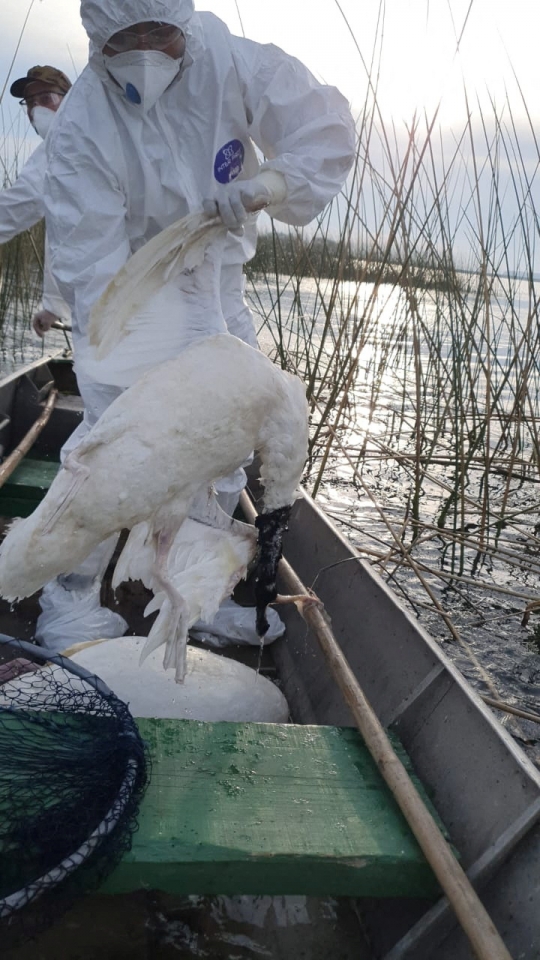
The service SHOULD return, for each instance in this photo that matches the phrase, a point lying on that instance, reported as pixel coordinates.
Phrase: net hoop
(56, 875)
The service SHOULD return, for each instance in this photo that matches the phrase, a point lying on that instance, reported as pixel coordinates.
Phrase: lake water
(483, 586)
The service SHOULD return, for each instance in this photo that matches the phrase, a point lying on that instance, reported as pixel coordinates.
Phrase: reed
(411, 311)
(21, 260)
(21, 284)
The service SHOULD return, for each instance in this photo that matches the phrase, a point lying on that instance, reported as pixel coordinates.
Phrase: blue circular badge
(229, 161)
(132, 94)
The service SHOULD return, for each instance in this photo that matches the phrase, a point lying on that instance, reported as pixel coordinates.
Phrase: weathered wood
(268, 809)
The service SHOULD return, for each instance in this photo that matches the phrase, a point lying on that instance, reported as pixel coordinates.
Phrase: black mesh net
(72, 772)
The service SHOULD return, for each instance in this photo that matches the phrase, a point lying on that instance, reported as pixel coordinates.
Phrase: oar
(15, 457)
(471, 913)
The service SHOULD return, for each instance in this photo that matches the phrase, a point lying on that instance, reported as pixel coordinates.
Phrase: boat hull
(483, 787)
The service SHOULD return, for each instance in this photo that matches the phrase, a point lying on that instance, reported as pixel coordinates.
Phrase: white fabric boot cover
(228, 490)
(235, 624)
(71, 607)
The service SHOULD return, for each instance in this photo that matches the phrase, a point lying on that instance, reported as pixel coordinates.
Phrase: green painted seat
(269, 809)
(26, 487)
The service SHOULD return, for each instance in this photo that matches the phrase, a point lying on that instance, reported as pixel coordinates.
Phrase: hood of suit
(102, 18)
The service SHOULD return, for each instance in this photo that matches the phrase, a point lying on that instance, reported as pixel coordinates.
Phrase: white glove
(235, 201)
(43, 321)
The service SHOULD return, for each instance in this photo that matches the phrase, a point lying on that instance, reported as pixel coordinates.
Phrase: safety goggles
(49, 98)
(157, 39)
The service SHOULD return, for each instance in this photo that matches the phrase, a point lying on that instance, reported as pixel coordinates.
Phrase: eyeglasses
(156, 39)
(49, 98)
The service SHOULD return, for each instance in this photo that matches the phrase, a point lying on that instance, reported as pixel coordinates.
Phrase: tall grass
(21, 284)
(411, 312)
(21, 259)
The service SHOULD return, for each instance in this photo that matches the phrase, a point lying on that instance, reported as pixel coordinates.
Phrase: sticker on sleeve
(229, 161)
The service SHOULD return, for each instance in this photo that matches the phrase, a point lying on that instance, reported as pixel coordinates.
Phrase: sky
(428, 53)
(419, 63)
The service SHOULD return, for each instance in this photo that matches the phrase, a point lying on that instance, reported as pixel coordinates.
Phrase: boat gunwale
(456, 675)
(33, 365)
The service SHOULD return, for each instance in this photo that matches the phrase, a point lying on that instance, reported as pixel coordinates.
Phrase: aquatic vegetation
(411, 310)
(21, 284)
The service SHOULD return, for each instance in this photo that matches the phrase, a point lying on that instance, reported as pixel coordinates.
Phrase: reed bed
(21, 259)
(411, 312)
(21, 284)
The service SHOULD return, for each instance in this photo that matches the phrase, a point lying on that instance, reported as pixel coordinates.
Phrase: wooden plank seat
(26, 487)
(252, 808)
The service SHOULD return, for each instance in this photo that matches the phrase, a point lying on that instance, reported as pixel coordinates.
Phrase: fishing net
(72, 772)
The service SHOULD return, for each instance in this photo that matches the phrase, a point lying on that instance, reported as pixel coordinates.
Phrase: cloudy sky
(428, 52)
(419, 62)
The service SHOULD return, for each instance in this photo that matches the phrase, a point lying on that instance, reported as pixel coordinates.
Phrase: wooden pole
(15, 457)
(511, 708)
(471, 913)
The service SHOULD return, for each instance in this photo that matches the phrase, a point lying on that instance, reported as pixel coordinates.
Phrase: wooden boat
(485, 791)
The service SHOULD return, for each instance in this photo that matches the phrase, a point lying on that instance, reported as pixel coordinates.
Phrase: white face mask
(143, 75)
(41, 120)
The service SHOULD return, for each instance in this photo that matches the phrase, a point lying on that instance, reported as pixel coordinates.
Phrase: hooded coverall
(118, 173)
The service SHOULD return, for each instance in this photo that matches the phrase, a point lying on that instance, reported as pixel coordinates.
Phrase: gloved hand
(235, 201)
(43, 321)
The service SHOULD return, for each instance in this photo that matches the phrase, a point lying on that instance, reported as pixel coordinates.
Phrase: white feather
(164, 298)
(148, 462)
(179, 248)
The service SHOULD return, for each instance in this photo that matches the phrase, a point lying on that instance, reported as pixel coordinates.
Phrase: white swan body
(181, 426)
(149, 461)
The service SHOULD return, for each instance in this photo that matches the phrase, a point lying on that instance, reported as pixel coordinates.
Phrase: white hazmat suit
(120, 171)
(72, 601)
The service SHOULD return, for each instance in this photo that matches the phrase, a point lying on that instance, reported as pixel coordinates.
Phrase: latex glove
(43, 321)
(235, 201)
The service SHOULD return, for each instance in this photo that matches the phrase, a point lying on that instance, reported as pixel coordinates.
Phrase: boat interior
(484, 791)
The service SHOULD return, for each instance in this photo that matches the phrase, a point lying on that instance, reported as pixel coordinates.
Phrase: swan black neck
(271, 527)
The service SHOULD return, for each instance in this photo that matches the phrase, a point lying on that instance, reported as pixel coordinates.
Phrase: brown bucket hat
(45, 74)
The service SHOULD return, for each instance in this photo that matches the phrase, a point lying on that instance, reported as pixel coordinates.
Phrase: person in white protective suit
(165, 120)
(41, 92)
